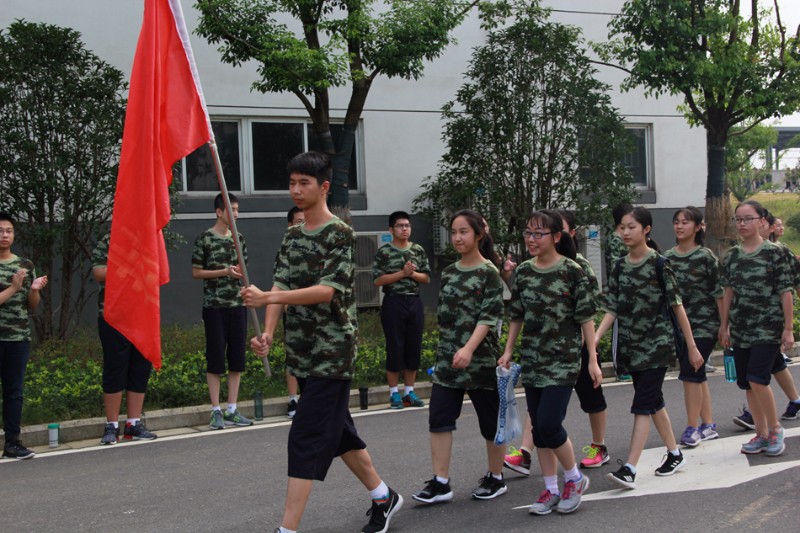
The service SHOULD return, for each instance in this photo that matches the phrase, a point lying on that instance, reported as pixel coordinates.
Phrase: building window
(271, 144)
(639, 159)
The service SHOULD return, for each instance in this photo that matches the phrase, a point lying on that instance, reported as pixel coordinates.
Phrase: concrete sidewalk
(166, 422)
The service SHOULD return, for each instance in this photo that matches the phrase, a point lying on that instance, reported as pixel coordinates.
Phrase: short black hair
(219, 203)
(6, 216)
(291, 213)
(397, 215)
(311, 163)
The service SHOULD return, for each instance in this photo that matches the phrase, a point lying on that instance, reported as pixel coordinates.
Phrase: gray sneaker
(217, 422)
(236, 419)
(757, 444)
(571, 497)
(544, 505)
(775, 445)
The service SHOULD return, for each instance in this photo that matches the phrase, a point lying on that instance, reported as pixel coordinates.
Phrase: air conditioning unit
(367, 244)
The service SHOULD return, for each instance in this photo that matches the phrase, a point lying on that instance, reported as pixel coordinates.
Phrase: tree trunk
(720, 233)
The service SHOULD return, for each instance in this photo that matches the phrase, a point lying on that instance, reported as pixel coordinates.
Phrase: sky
(790, 15)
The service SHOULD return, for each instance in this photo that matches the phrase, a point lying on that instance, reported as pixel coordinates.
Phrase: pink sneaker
(596, 456)
(516, 461)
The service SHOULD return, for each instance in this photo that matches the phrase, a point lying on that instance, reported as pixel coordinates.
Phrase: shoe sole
(412, 405)
(753, 452)
(239, 425)
(442, 498)
(710, 437)
(518, 469)
(620, 482)
(141, 438)
(775, 454)
(672, 472)
(391, 514)
(785, 417)
(492, 496)
(23, 458)
(743, 424)
(216, 427)
(395, 406)
(691, 445)
(540, 513)
(107, 443)
(291, 415)
(559, 510)
(597, 465)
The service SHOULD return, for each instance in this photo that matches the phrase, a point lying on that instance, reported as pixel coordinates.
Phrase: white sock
(599, 443)
(231, 407)
(408, 389)
(676, 452)
(572, 474)
(115, 424)
(380, 492)
(441, 479)
(631, 468)
(285, 530)
(392, 390)
(795, 401)
(294, 397)
(215, 408)
(132, 421)
(498, 477)
(551, 484)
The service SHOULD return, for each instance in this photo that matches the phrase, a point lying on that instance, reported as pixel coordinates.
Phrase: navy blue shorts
(592, 399)
(124, 367)
(403, 320)
(757, 364)
(547, 407)
(322, 428)
(225, 328)
(687, 373)
(445, 408)
(648, 398)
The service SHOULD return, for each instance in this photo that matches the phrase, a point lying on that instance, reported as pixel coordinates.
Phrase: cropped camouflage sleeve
(337, 268)
(492, 303)
(100, 251)
(611, 294)
(281, 273)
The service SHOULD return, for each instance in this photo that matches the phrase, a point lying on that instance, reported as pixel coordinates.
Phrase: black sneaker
(623, 477)
(434, 492)
(138, 432)
(489, 487)
(110, 435)
(792, 411)
(672, 463)
(291, 409)
(15, 450)
(381, 513)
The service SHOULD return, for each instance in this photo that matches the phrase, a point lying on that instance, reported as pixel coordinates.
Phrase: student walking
(696, 270)
(646, 345)
(552, 304)
(314, 277)
(470, 303)
(19, 294)
(224, 316)
(756, 320)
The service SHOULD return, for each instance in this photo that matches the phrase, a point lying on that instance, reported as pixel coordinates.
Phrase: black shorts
(547, 407)
(124, 367)
(757, 364)
(592, 399)
(225, 327)
(322, 428)
(648, 398)
(403, 320)
(445, 408)
(687, 373)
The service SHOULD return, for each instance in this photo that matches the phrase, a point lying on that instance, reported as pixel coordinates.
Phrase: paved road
(234, 481)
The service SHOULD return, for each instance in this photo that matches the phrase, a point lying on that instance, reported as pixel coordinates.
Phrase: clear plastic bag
(509, 423)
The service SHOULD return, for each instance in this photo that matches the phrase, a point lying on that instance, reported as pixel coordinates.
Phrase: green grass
(783, 205)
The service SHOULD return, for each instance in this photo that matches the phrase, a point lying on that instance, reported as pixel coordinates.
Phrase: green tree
(730, 67)
(334, 43)
(61, 117)
(531, 128)
(744, 143)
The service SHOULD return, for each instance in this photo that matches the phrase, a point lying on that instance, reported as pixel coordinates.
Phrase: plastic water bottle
(730, 365)
(430, 370)
(258, 405)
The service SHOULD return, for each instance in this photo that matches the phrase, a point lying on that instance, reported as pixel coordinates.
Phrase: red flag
(166, 120)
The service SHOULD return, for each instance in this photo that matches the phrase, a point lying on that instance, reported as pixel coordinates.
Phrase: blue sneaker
(775, 445)
(708, 432)
(691, 437)
(792, 411)
(395, 402)
(757, 444)
(412, 400)
(744, 420)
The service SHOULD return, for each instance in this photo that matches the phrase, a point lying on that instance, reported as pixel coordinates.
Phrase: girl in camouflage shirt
(552, 298)
(756, 319)
(645, 345)
(697, 272)
(470, 303)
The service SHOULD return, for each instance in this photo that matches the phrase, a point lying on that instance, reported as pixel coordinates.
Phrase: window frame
(649, 166)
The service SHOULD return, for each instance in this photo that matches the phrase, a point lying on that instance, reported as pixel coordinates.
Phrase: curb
(197, 416)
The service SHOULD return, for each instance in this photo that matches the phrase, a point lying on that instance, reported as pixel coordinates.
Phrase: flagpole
(212, 144)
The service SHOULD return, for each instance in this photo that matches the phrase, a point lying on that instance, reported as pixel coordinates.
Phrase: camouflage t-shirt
(468, 297)
(634, 296)
(614, 248)
(697, 274)
(216, 252)
(391, 259)
(14, 311)
(794, 265)
(320, 338)
(590, 275)
(758, 278)
(552, 304)
(99, 259)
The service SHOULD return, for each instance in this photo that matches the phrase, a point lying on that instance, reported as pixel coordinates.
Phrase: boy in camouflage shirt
(224, 317)
(399, 267)
(19, 294)
(314, 278)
